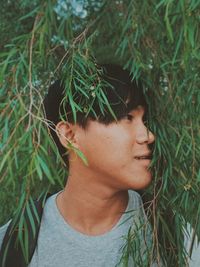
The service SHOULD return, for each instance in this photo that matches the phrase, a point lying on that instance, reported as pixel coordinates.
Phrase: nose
(151, 137)
(145, 136)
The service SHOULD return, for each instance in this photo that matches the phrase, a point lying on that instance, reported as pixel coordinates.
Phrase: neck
(90, 207)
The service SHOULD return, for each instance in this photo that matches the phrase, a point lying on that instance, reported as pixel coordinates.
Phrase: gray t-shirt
(60, 245)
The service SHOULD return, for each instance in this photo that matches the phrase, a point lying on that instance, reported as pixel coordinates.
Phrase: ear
(66, 133)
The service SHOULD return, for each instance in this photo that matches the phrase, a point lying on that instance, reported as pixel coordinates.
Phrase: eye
(129, 117)
(145, 122)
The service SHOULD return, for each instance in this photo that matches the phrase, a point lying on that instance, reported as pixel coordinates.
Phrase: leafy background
(159, 41)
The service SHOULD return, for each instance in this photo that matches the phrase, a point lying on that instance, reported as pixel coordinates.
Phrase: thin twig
(30, 66)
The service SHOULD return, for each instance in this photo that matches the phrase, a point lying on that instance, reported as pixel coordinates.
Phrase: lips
(144, 156)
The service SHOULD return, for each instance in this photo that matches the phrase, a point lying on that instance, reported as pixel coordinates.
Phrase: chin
(142, 183)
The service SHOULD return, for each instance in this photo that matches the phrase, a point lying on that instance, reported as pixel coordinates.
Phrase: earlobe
(65, 133)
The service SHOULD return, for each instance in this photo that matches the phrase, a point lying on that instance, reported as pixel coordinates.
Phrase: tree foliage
(159, 42)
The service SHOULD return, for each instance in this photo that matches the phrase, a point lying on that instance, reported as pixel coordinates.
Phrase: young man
(86, 223)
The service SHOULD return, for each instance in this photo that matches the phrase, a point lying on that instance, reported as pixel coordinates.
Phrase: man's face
(114, 152)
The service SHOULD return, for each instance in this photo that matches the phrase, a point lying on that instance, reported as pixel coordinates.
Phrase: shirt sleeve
(194, 261)
(3, 231)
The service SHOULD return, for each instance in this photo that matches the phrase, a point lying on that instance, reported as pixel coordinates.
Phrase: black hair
(124, 95)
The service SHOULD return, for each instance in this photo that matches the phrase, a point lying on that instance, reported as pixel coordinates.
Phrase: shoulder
(3, 230)
(48, 203)
(192, 246)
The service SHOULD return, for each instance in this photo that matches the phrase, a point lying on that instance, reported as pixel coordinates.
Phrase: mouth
(144, 158)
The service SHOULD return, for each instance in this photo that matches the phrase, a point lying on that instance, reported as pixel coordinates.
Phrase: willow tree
(158, 41)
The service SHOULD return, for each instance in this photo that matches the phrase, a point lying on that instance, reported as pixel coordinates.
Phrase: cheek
(107, 146)
(93, 145)
(115, 151)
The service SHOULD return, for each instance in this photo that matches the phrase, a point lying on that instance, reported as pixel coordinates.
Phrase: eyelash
(130, 118)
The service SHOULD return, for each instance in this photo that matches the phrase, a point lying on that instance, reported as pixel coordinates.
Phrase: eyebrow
(139, 107)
